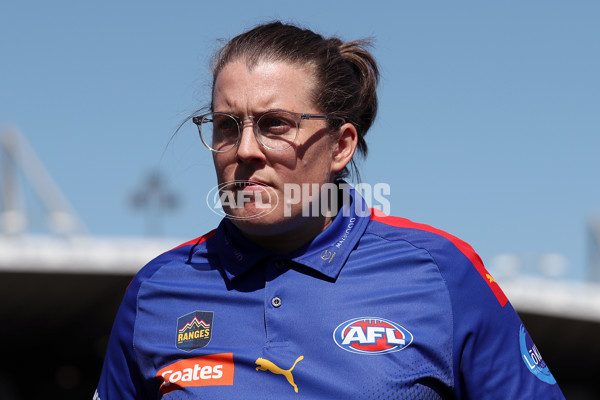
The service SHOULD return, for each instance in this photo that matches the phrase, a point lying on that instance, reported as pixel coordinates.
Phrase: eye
(224, 127)
(276, 124)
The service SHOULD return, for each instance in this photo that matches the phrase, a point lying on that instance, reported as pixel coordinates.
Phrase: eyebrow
(257, 114)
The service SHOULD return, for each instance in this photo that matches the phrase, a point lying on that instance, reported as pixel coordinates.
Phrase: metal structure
(153, 197)
(17, 157)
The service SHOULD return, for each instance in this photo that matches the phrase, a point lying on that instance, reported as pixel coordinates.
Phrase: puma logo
(266, 365)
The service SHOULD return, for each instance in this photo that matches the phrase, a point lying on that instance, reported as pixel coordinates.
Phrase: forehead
(264, 85)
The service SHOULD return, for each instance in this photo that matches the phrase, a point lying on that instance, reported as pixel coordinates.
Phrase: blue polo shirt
(375, 307)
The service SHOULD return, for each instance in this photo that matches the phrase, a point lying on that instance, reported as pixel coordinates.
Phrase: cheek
(226, 158)
(222, 163)
(319, 160)
(217, 160)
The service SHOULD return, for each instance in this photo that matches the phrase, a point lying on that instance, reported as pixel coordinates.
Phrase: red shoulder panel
(198, 240)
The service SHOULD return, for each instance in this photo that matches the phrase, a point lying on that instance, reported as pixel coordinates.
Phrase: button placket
(276, 302)
(276, 287)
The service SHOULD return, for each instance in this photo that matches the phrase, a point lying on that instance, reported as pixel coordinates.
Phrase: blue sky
(488, 125)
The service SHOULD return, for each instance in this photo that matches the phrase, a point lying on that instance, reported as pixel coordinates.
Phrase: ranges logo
(210, 370)
(194, 330)
(368, 335)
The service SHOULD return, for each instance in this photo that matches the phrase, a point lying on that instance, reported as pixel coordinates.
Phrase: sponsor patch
(532, 357)
(266, 365)
(327, 255)
(210, 370)
(194, 330)
(369, 335)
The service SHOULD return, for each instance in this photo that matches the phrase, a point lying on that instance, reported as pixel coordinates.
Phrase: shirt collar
(327, 253)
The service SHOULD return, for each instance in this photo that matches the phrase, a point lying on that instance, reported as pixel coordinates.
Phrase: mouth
(248, 184)
(243, 199)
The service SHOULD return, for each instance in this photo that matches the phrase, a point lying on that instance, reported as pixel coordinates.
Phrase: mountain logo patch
(194, 330)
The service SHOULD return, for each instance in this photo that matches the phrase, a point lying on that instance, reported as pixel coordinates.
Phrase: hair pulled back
(346, 73)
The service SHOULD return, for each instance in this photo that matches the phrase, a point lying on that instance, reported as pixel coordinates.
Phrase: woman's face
(269, 206)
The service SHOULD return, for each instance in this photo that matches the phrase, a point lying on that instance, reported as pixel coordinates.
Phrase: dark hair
(346, 73)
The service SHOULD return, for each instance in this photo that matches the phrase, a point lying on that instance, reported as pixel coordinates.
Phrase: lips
(249, 184)
(242, 199)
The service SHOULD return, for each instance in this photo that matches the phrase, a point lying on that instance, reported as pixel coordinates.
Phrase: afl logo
(226, 197)
(368, 335)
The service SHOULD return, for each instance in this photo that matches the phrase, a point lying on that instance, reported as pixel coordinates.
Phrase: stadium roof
(79, 254)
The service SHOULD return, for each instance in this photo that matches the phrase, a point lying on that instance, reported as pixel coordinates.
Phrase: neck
(293, 238)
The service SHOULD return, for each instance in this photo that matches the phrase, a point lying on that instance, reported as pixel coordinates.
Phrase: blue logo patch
(532, 357)
(368, 335)
(194, 330)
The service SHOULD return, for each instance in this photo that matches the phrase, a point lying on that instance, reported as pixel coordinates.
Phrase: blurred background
(488, 128)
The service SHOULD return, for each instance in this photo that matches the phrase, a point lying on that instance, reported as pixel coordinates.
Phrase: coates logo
(369, 335)
(211, 370)
(230, 198)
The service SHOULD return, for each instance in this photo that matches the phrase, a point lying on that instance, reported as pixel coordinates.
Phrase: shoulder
(419, 235)
(455, 258)
(179, 255)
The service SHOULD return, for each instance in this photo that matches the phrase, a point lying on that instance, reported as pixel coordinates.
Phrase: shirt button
(276, 302)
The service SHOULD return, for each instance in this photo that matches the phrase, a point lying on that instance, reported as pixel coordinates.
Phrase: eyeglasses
(274, 130)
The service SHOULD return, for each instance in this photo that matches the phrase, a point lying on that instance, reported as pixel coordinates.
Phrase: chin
(257, 227)
(261, 222)
(252, 215)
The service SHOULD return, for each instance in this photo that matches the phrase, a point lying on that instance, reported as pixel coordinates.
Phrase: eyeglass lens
(276, 130)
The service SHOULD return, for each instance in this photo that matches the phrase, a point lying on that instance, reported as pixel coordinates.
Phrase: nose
(249, 149)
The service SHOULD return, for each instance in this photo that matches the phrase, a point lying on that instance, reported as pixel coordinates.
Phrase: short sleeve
(494, 355)
(120, 377)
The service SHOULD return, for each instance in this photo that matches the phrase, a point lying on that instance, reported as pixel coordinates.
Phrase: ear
(344, 147)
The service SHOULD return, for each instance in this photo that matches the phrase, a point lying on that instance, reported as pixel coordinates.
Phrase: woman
(298, 293)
